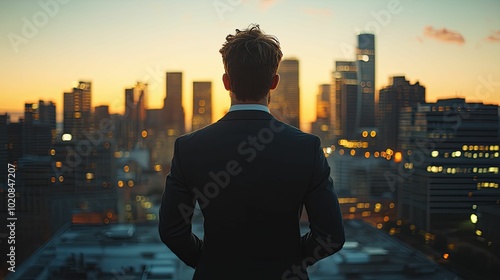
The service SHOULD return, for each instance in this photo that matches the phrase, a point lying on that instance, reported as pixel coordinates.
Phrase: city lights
(473, 218)
(67, 137)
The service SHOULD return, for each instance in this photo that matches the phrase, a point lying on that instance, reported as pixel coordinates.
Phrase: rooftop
(136, 252)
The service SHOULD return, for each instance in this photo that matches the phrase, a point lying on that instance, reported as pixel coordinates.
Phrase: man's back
(251, 175)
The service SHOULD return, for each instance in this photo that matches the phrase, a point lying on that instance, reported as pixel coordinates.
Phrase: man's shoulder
(271, 126)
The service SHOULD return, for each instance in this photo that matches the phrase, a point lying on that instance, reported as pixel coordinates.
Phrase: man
(251, 175)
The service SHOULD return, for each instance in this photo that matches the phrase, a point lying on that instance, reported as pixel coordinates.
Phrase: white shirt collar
(241, 107)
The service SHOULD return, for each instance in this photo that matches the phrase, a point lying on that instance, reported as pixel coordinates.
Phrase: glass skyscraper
(365, 62)
(285, 100)
(202, 105)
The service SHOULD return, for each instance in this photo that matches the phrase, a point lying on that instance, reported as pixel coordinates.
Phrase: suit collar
(247, 115)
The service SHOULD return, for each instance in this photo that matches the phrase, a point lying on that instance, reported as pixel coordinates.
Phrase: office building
(135, 114)
(172, 108)
(365, 63)
(322, 126)
(344, 96)
(38, 128)
(450, 164)
(77, 110)
(202, 105)
(285, 99)
(398, 94)
(101, 113)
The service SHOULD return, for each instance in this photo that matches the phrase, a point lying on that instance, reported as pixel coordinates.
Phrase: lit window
(144, 134)
(58, 164)
(373, 133)
(435, 153)
(158, 168)
(89, 176)
(398, 157)
(473, 218)
(126, 168)
(365, 134)
(120, 184)
(67, 137)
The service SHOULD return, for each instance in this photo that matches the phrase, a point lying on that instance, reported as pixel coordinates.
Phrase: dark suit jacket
(251, 175)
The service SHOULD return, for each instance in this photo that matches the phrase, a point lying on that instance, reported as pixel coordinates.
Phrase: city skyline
(134, 41)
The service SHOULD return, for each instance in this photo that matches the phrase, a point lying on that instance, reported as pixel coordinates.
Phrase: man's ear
(226, 81)
(275, 82)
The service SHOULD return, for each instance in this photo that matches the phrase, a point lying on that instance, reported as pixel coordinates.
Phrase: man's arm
(176, 212)
(327, 230)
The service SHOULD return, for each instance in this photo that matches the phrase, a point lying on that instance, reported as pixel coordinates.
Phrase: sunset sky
(451, 47)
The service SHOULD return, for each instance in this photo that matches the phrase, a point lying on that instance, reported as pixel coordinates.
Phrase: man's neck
(264, 101)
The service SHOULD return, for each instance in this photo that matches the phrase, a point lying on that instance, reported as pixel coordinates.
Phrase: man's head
(251, 60)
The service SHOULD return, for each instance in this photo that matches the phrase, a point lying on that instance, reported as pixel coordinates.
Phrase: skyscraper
(322, 125)
(365, 62)
(135, 114)
(285, 100)
(399, 94)
(39, 128)
(77, 110)
(202, 105)
(172, 108)
(344, 96)
(450, 165)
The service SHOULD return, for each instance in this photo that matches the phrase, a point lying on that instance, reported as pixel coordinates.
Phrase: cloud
(494, 37)
(315, 12)
(444, 35)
